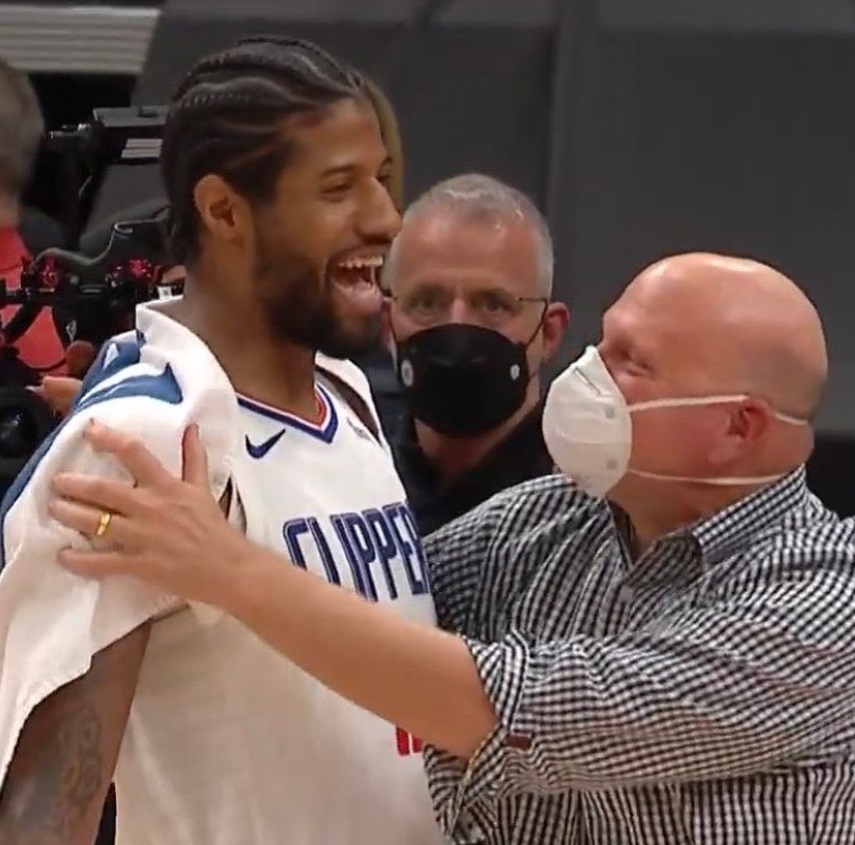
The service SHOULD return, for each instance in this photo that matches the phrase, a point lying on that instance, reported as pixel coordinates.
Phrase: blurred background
(641, 127)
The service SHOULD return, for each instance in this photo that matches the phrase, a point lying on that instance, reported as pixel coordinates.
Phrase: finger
(85, 520)
(104, 494)
(195, 458)
(96, 564)
(59, 392)
(131, 453)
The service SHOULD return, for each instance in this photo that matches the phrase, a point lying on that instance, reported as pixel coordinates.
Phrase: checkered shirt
(701, 694)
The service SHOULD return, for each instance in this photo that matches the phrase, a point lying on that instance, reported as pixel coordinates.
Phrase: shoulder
(140, 393)
(809, 557)
(348, 381)
(347, 372)
(818, 539)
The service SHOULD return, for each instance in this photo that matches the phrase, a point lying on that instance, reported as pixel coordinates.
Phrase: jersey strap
(354, 400)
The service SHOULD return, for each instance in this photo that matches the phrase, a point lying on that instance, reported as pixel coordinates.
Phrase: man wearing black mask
(471, 325)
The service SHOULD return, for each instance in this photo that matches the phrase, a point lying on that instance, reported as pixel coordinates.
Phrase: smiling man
(276, 171)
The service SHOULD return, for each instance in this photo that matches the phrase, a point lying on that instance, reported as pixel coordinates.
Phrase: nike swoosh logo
(259, 450)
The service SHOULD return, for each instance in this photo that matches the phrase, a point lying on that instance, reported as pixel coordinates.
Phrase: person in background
(39, 349)
(377, 362)
(655, 646)
(471, 326)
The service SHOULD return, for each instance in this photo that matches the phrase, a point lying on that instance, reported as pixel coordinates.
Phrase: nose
(381, 220)
(459, 311)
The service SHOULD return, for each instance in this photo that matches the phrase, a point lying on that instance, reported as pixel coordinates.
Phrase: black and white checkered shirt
(703, 693)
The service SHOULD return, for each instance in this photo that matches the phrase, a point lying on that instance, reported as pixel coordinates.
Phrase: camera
(99, 294)
(91, 299)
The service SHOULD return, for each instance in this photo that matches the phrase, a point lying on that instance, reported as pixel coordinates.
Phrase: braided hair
(226, 118)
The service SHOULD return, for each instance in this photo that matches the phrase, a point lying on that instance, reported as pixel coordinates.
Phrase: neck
(268, 369)
(452, 457)
(656, 513)
(651, 524)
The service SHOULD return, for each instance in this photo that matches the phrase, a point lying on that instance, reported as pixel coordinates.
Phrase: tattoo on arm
(63, 764)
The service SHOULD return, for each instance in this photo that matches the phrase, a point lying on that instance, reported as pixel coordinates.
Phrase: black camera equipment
(123, 136)
(91, 298)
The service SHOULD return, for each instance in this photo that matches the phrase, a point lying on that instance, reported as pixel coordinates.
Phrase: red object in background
(40, 347)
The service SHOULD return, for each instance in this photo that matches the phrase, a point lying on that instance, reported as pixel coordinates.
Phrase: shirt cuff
(467, 797)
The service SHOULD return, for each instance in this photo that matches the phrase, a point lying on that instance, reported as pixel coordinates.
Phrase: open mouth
(358, 278)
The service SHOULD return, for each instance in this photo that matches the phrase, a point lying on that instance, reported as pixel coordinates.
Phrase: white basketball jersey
(228, 743)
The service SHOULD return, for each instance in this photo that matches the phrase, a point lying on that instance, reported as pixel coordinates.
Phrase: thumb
(195, 458)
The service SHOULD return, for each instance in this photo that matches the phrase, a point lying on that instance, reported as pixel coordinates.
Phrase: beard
(301, 307)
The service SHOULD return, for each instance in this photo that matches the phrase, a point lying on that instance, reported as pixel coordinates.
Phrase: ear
(556, 319)
(224, 213)
(176, 273)
(746, 425)
(750, 420)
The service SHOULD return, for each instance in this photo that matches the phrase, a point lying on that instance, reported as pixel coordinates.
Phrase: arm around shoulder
(726, 687)
(55, 787)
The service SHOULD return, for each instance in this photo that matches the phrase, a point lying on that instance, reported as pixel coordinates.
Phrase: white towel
(152, 383)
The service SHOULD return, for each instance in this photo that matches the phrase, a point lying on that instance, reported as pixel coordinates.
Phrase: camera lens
(25, 421)
(19, 434)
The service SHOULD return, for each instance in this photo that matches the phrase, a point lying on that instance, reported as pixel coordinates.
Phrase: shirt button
(521, 742)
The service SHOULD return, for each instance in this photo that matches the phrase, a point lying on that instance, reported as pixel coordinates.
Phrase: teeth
(360, 263)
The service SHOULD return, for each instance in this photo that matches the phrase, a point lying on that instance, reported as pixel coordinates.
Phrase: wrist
(238, 589)
(226, 579)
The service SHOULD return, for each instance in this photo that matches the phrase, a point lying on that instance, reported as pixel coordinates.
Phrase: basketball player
(274, 166)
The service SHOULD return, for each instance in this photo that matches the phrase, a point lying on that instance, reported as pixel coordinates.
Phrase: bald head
(739, 324)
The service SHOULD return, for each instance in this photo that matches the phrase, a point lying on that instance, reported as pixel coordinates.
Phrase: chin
(350, 344)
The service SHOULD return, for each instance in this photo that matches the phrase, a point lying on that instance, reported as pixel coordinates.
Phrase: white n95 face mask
(587, 426)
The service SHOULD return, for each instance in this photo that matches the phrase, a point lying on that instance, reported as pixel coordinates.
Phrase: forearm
(55, 787)
(598, 714)
(415, 676)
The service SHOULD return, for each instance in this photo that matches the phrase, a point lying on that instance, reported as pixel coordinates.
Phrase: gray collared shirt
(703, 693)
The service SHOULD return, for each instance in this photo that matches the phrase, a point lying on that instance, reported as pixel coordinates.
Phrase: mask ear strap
(539, 327)
(688, 402)
(790, 420)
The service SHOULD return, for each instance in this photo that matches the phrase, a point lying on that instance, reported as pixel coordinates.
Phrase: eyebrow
(347, 169)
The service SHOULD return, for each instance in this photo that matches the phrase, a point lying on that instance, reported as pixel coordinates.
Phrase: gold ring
(103, 524)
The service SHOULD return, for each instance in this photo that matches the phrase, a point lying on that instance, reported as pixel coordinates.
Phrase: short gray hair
(483, 198)
(21, 128)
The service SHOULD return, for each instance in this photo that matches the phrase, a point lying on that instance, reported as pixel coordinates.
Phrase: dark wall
(741, 144)
(643, 127)
(736, 134)
(471, 85)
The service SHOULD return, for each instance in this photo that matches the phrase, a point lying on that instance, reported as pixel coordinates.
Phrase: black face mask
(461, 379)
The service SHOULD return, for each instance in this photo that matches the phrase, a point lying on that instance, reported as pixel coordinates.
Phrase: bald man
(658, 647)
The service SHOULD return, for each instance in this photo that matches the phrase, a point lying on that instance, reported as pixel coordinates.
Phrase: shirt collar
(519, 456)
(720, 535)
(685, 554)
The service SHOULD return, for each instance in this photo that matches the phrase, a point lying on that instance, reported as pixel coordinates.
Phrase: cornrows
(226, 118)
